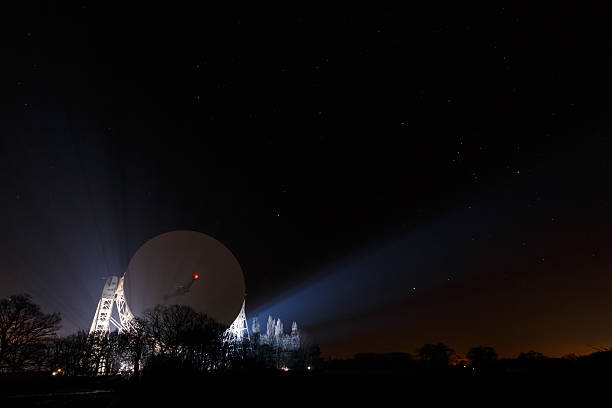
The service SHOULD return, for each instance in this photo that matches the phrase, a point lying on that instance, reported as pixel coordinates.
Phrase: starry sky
(385, 177)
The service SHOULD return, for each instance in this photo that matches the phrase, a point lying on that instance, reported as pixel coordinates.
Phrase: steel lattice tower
(103, 317)
(239, 330)
(111, 294)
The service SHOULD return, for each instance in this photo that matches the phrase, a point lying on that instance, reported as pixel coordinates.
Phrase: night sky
(385, 178)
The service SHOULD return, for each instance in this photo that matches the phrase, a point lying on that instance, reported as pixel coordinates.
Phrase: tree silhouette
(136, 344)
(181, 336)
(24, 333)
(482, 356)
(436, 355)
(106, 352)
(73, 354)
(531, 356)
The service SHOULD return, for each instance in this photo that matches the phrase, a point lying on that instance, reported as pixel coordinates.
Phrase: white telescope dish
(186, 268)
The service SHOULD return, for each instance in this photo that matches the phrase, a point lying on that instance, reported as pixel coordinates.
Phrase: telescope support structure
(112, 294)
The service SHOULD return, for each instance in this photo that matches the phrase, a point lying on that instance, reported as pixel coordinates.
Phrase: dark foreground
(454, 385)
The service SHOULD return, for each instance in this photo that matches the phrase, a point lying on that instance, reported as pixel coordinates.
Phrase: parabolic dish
(164, 269)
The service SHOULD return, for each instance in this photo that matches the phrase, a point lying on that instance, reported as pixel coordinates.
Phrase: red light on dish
(196, 277)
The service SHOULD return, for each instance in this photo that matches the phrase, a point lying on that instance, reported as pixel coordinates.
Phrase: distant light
(309, 368)
(196, 277)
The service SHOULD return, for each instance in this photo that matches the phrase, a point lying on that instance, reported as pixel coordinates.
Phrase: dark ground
(542, 382)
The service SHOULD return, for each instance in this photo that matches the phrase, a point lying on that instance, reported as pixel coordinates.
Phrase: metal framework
(239, 330)
(125, 314)
(103, 316)
(113, 293)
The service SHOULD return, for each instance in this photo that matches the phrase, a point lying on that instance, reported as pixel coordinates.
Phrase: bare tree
(482, 356)
(184, 336)
(73, 354)
(88, 354)
(531, 356)
(136, 344)
(436, 355)
(24, 333)
(106, 352)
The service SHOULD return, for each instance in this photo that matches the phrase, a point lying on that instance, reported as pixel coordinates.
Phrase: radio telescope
(178, 267)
